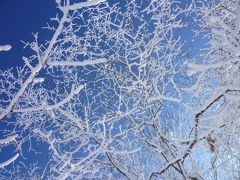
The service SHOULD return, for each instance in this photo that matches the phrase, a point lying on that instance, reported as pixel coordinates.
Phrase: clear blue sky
(18, 18)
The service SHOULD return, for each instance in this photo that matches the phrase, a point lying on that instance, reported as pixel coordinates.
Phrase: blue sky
(18, 20)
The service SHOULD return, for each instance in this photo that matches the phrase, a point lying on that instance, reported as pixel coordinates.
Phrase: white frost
(190, 72)
(67, 99)
(85, 4)
(77, 63)
(204, 67)
(8, 139)
(38, 80)
(5, 47)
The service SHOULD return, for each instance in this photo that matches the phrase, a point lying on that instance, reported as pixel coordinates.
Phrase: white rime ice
(77, 63)
(8, 139)
(38, 80)
(85, 4)
(5, 47)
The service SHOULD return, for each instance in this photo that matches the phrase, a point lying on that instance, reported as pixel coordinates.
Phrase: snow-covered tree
(217, 88)
(114, 95)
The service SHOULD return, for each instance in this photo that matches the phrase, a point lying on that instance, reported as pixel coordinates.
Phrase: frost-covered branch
(89, 3)
(8, 139)
(77, 63)
(5, 48)
(67, 99)
(11, 160)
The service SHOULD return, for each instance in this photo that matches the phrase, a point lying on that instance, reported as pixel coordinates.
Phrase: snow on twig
(49, 107)
(36, 69)
(73, 92)
(5, 47)
(204, 67)
(85, 4)
(77, 63)
(2, 165)
(8, 139)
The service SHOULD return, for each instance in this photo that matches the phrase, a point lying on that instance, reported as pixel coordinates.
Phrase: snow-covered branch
(67, 99)
(5, 48)
(2, 165)
(8, 139)
(77, 63)
(85, 4)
